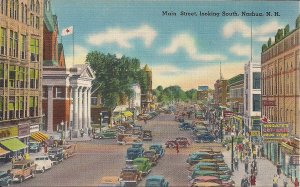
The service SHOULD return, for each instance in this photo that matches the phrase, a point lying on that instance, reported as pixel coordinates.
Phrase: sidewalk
(266, 172)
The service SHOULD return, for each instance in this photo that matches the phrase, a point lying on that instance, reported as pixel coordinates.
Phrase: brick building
(280, 62)
(220, 94)
(21, 42)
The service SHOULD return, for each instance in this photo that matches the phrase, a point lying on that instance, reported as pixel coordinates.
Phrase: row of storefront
(14, 140)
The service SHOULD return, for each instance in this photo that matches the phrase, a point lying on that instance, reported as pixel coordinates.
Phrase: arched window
(32, 5)
(22, 12)
(37, 7)
(17, 10)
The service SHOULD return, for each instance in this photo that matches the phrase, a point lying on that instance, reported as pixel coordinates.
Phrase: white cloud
(122, 37)
(260, 33)
(79, 56)
(241, 50)
(188, 44)
(167, 75)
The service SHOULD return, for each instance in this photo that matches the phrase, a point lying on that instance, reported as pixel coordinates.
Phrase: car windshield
(17, 167)
(149, 154)
(138, 162)
(52, 152)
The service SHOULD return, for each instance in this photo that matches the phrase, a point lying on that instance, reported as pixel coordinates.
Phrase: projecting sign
(275, 131)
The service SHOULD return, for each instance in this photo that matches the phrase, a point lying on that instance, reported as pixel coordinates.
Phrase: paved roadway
(99, 158)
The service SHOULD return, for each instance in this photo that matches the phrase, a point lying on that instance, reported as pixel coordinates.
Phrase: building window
(59, 92)
(31, 106)
(12, 76)
(256, 80)
(32, 78)
(32, 5)
(13, 44)
(34, 49)
(22, 77)
(32, 20)
(22, 106)
(37, 22)
(2, 75)
(45, 92)
(11, 8)
(37, 7)
(16, 16)
(25, 14)
(22, 12)
(3, 45)
(23, 47)
(11, 107)
(256, 102)
(246, 81)
(94, 101)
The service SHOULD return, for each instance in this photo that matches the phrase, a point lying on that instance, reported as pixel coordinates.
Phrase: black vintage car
(56, 154)
(147, 135)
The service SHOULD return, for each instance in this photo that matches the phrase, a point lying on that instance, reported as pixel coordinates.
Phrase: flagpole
(73, 45)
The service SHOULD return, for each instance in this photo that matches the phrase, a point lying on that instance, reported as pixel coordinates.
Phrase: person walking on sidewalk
(252, 180)
(285, 182)
(246, 164)
(177, 147)
(236, 163)
(296, 183)
(245, 182)
(275, 181)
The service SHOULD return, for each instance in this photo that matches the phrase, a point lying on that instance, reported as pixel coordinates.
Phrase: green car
(206, 166)
(197, 173)
(142, 164)
(156, 181)
(106, 134)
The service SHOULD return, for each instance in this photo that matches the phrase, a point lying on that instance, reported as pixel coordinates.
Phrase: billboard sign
(227, 114)
(275, 131)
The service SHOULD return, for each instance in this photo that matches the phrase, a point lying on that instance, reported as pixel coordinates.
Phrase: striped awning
(39, 136)
(3, 151)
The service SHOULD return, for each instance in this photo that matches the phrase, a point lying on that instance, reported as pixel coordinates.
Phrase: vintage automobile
(147, 135)
(137, 131)
(206, 184)
(69, 150)
(22, 170)
(106, 134)
(205, 137)
(197, 173)
(225, 169)
(186, 126)
(43, 163)
(133, 153)
(158, 148)
(205, 166)
(34, 147)
(152, 156)
(56, 154)
(124, 139)
(130, 175)
(5, 178)
(143, 165)
(206, 179)
(182, 142)
(121, 129)
(156, 181)
(198, 156)
(110, 181)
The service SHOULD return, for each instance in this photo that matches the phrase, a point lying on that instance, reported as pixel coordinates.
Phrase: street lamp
(100, 121)
(232, 137)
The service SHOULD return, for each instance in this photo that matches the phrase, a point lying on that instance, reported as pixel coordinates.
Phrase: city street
(98, 158)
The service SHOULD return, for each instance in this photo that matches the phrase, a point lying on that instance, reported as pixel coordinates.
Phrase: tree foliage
(114, 77)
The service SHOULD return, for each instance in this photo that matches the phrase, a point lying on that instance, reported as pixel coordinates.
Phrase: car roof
(140, 159)
(22, 162)
(155, 177)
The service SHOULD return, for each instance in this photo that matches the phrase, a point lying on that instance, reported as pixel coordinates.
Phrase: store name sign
(295, 160)
(269, 103)
(275, 130)
(8, 132)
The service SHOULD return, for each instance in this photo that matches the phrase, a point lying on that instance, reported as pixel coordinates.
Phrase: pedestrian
(81, 133)
(275, 181)
(244, 182)
(278, 170)
(252, 180)
(254, 153)
(236, 163)
(296, 182)
(241, 156)
(246, 164)
(285, 182)
(177, 147)
(89, 132)
(20, 157)
(45, 148)
(13, 160)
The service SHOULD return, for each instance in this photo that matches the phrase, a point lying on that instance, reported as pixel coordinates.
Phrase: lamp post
(100, 119)
(232, 137)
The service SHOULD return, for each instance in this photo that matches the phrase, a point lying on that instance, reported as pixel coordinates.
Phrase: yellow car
(110, 181)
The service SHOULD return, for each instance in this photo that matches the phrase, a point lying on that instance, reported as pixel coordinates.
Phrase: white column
(75, 108)
(50, 109)
(80, 108)
(85, 107)
(89, 107)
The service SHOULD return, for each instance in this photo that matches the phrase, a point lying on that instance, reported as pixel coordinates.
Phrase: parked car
(130, 175)
(133, 153)
(206, 179)
(182, 142)
(147, 135)
(158, 148)
(106, 134)
(69, 150)
(22, 170)
(157, 181)
(151, 155)
(110, 181)
(186, 126)
(5, 178)
(43, 163)
(56, 154)
(121, 129)
(204, 138)
(205, 166)
(137, 131)
(206, 184)
(127, 139)
(197, 156)
(197, 173)
(34, 147)
(143, 165)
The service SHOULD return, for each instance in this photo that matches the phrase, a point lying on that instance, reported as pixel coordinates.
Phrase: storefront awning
(13, 144)
(39, 136)
(3, 151)
(127, 114)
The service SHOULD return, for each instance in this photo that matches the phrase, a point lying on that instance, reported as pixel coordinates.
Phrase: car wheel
(9, 183)
(32, 174)
(43, 169)
(21, 179)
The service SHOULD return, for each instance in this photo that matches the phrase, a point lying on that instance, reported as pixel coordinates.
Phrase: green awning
(13, 144)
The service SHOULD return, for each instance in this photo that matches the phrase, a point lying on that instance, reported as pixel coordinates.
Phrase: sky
(184, 50)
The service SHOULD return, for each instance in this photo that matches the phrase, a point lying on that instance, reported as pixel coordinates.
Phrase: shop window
(3, 41)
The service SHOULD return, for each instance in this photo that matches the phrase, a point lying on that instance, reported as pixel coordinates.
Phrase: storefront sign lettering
(295, 160)
(275, 130)
(8, 132)
(24, 130)
(34, 128)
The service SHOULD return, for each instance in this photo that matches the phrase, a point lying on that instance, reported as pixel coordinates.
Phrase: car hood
(16, 171)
